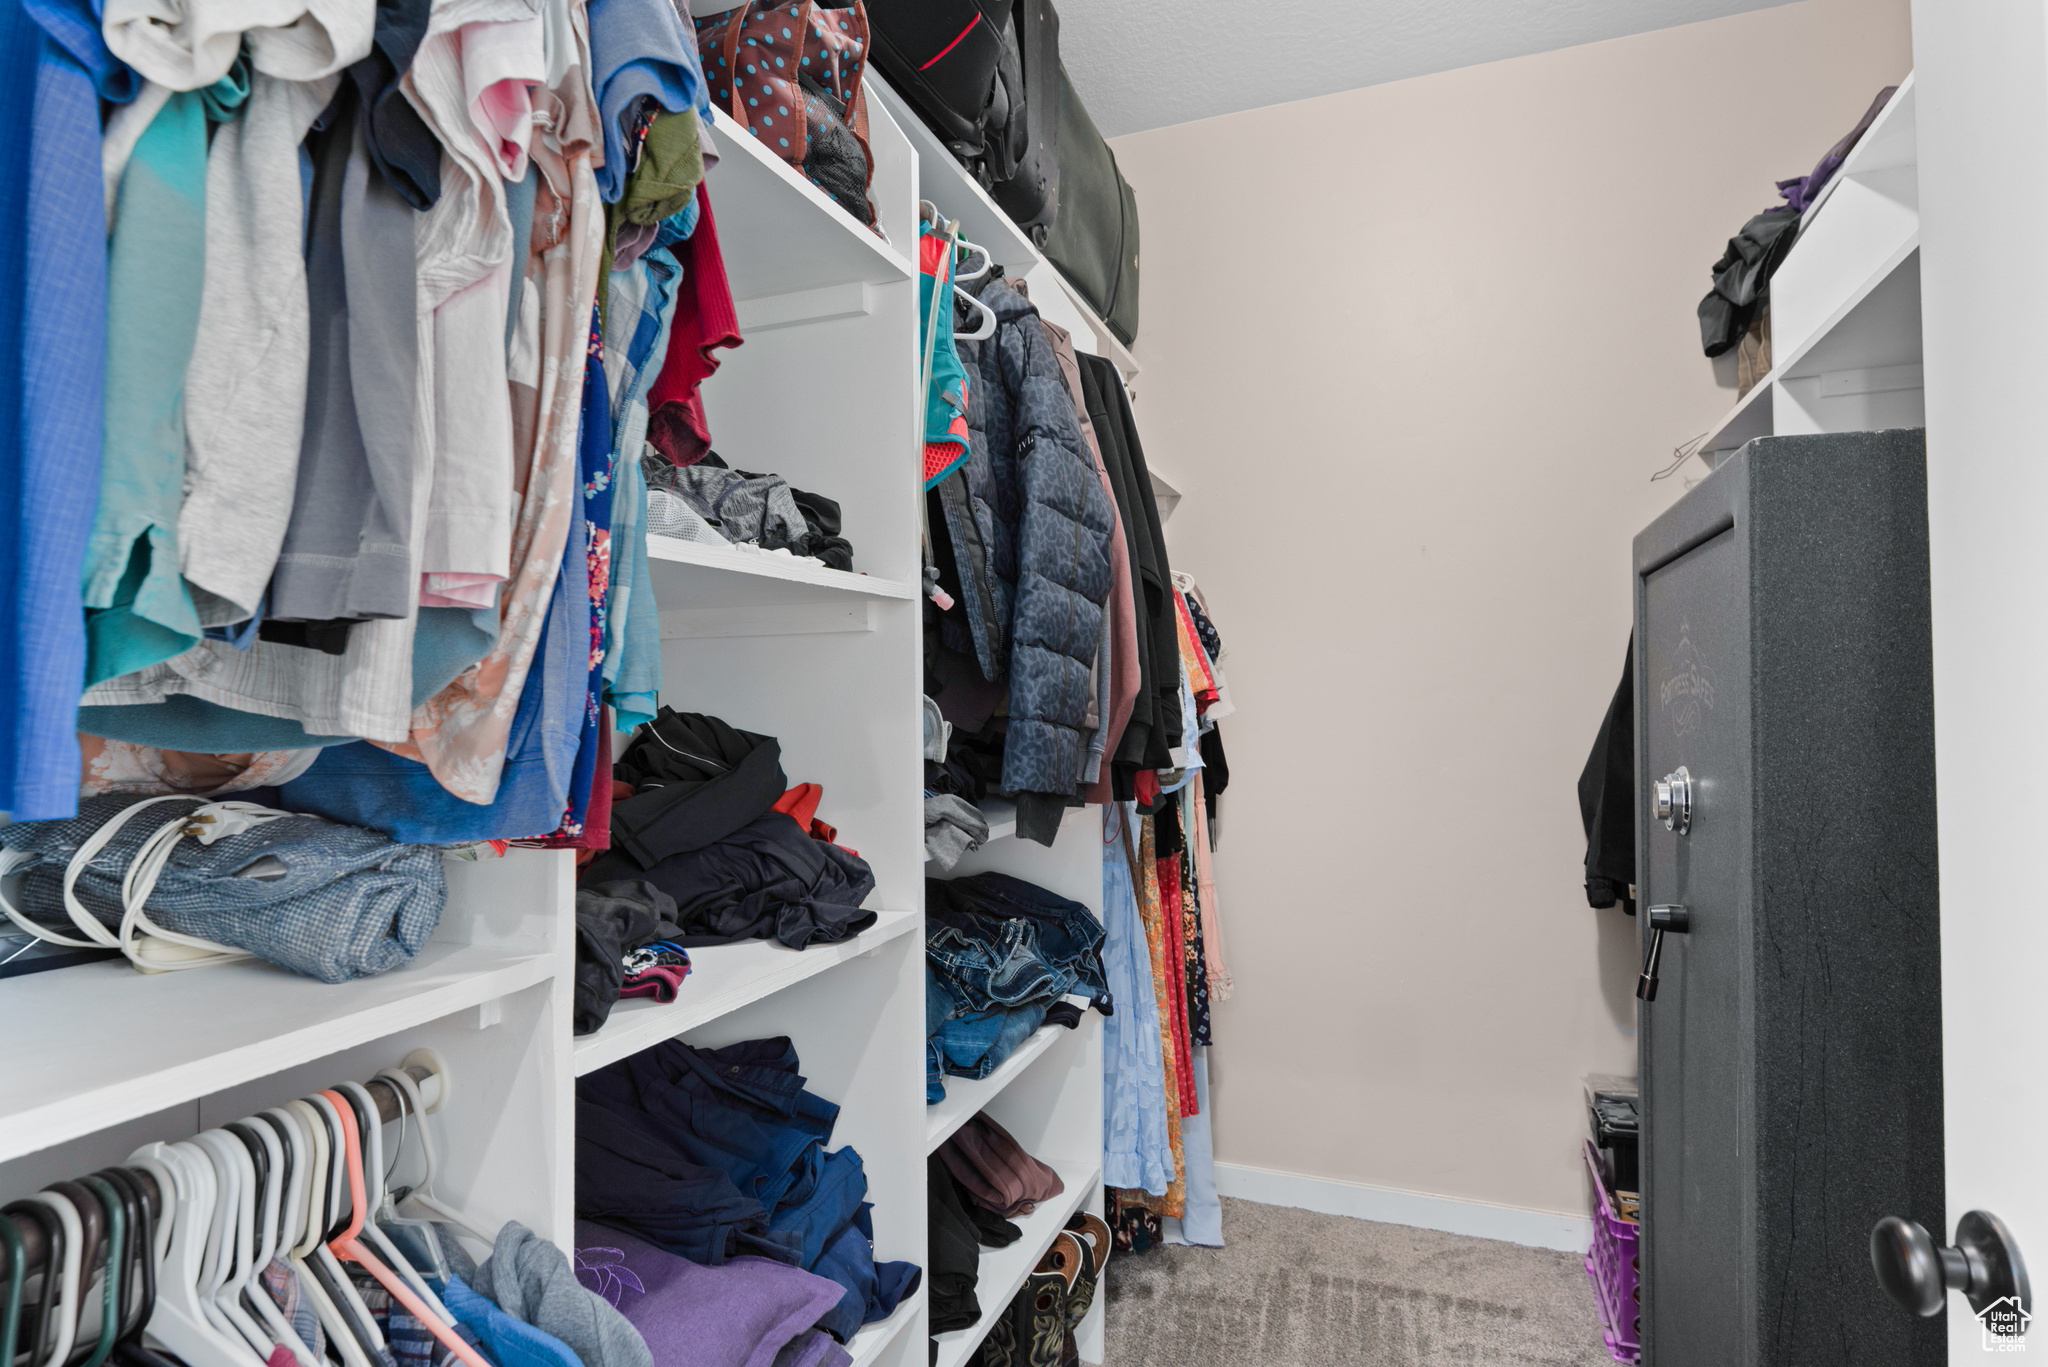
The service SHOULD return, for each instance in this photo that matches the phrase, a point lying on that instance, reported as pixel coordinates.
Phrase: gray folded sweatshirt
(529, 1279)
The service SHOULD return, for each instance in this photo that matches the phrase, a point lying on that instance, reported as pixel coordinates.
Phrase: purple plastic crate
(1613, 1267)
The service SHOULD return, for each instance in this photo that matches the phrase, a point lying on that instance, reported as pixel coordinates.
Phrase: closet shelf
(874, 1339)
(1751, 417)
(780, 234)
(1891, 142)
(695, 576)
(967, 1097)
(1003, 1270)
(1863, 331)
(723, 978)
(148, 1041)
(1166, 492)
(1001, 815)
(981, 218)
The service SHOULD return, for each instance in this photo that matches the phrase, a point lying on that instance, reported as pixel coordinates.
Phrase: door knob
(1985, 1265)
(1676, 920)
(1674, 800)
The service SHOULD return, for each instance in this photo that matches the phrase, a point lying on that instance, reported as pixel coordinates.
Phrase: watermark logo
(2005, 1323)
(1689, 693)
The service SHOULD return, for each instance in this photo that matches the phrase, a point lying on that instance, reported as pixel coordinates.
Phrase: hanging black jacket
(1607, 798)
(1116, 432)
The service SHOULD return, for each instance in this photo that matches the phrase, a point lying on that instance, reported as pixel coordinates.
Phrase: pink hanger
(345, 1245)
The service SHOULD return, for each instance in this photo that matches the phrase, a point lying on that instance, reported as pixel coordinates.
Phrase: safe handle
(1985, 1265)
(1677, 921)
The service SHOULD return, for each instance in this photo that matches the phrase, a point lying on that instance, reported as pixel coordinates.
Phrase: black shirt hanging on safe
(1607, 798)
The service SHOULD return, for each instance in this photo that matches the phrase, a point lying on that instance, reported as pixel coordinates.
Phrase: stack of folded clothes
(742, 1313)
(712, 1154)
(713, 824)
(712, 503)
(1000, 953)
(626, 946)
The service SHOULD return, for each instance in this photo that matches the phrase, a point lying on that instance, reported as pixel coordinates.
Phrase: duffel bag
(1023, 176)
(941, 56)
(790, 73)
(1094, 240)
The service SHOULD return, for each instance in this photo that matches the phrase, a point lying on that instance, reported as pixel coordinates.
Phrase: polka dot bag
(789, 72)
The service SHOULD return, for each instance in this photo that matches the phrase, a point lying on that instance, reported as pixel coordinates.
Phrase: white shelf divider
(1857, 237)
(711, 576)
(99, 1044)
(780, 234)
(966, 1097)
(724, 978)
(874, 1339)
(1003, 1270)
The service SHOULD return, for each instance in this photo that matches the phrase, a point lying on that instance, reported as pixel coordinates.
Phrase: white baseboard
(1480, 1219)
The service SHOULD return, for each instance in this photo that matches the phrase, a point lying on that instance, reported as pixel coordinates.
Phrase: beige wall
(1414, 351)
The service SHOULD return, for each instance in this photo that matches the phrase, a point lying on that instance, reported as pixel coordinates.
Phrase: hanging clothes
(460, 733)
(246, 385)
(577, 830)
(1119, 674)
(1165, 870)
(706, 322)
(637, 324)
(1607, 798)
(945, 391)
(471, 81)
(1213, 962)
(346, 553)
(138, 608)
(55, 67)
(1136, 1149)
(1154, 731)
(1172, 1045)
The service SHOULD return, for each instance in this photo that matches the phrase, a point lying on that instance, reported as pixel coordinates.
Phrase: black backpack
(941, 55)
(983, 75)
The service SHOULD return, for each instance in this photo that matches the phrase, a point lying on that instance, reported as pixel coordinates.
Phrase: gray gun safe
(1791, 1055)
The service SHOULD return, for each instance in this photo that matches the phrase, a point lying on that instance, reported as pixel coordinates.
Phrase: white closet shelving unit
(1845, 305)
(824, 391)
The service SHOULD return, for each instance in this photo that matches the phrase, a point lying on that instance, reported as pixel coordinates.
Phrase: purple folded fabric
(816, 1349)
(995, 1171)
(743, 1313)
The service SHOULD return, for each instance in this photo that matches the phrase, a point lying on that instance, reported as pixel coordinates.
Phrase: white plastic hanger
(167, 1200)
(235, 1218)
(347, 1242)
(219, 1260)
(423, 1194)
(281, 1184)
(311, 1231)
(983, 330)
(335, 1213)
(177, 1321)
(64, 1332)
(988, 260)
(375, 1199)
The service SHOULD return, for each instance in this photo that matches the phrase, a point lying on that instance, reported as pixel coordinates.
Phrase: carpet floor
(1298, 1289)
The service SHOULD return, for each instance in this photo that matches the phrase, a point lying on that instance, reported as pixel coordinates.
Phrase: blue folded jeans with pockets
(999, 951)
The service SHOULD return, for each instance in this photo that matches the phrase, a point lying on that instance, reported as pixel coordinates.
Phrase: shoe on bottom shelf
(1089, 1231)
(1032, 1330)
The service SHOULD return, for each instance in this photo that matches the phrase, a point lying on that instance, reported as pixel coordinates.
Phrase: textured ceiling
(1149, 63)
